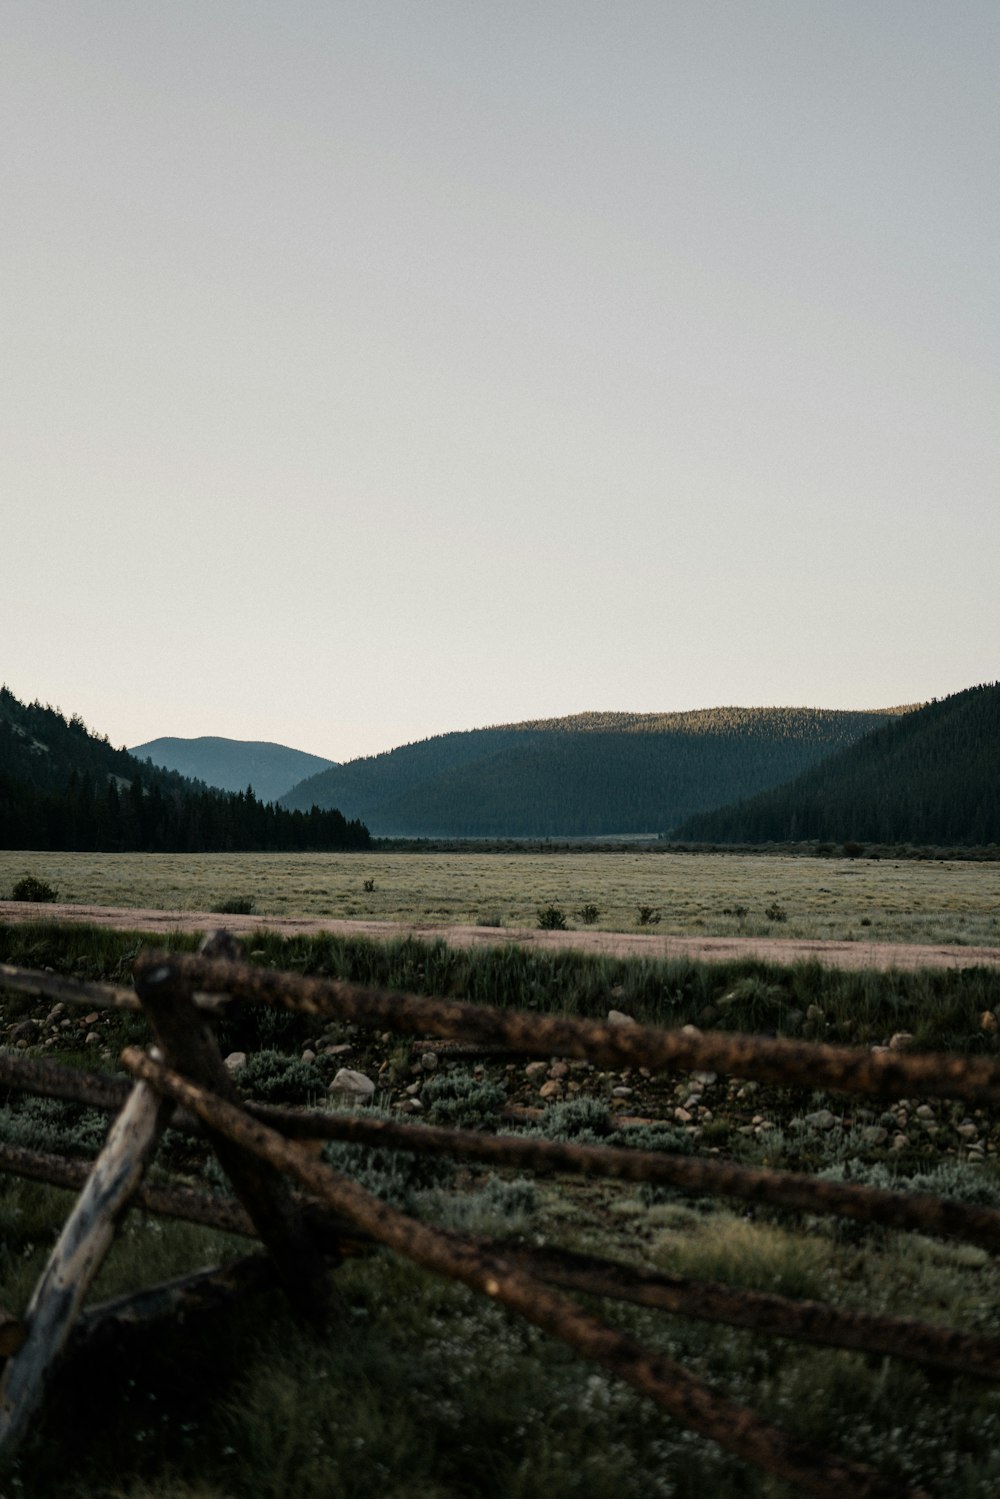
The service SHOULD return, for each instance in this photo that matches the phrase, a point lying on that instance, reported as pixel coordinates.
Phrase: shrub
(551, 919)
(274, 1077)
(29, 888)
(775, 912)
(588, 914)
(459, 1101)
(368, 886)
(649, 916)
(234, 905)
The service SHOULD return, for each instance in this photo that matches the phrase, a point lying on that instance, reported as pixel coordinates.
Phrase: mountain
(584, 776)
(63, 787)
(235, 764)
(932, 777)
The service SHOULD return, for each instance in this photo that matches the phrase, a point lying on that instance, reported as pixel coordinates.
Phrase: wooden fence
(263, 1151)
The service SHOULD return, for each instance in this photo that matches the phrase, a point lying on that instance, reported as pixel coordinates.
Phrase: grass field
(694, 894)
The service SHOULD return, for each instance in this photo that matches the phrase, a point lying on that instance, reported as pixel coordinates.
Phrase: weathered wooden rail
(306, 1231)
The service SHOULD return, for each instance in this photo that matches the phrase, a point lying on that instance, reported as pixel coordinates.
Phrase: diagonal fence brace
(734, 1426)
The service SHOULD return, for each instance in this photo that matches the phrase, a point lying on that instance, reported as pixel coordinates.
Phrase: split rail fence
(264, 1150)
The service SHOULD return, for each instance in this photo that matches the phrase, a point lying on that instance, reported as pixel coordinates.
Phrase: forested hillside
(234, 764)
(584, 776)
(932, 777)
(62, 787)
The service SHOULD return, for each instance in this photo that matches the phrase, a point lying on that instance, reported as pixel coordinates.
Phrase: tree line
(932, 777)
(62, 787)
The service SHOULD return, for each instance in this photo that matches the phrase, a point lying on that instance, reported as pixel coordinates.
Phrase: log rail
(306, 1231)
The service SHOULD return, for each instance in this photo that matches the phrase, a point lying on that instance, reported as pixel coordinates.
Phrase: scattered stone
(619, 1017)
(552, 1089)
(308, 1055)
(340, 1049)
(705, 1078)
(925, 1111)
(235, 1060)
(429, 1061)
(23, 1031)
(413, 1089)
(899, 1142)
(91, 1038)
(536, 1069)
(682, 1116)
(92, 1018)
(622, 1092)
(988, 1022)
(352, 1085)
(968, 1131)
(901, 1041)
(409, 1106)
(559, 1069)
(874, 1134)
(821, 1119)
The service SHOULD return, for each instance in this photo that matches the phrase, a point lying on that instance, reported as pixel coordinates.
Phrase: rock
(899, 1142)
(409, 1106)
(682, 1116)
(91, 1038)
(925, 1111)
(821, 1119)
(353, 1086)
(815, 1014)
(988, 1023)
(901, 1041)
(429, 1061)
(559, 1069)
(874, 1134)
(235, 1060)
(308, 1055)
(413, 1090)
(619, 1017)
(622, 1092)
(968, 1131)
(92, 1018)
(705, 1078)
(536, 1069)
(23, 1031)
(340, 1049)
(552, 1089)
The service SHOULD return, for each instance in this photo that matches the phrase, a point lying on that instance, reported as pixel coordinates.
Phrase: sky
(378, 368)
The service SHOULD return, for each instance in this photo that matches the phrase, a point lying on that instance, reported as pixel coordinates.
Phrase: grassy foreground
(427, 1391)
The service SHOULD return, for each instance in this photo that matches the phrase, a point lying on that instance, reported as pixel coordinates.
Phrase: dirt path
(614, 944)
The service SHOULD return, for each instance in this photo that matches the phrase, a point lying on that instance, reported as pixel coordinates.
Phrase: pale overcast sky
(374, 368)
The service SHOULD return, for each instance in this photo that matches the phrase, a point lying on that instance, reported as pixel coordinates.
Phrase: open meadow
(711, 894)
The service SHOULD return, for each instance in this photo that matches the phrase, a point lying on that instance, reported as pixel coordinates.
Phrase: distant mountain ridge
(588, 775)
(932, 777)
(235, 764)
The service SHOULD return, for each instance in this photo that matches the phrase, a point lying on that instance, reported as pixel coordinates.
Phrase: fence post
(190, 1048)
(77, 1256)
